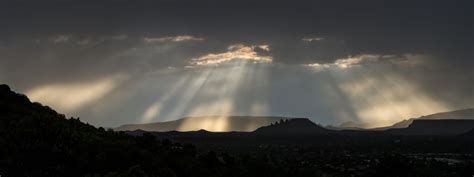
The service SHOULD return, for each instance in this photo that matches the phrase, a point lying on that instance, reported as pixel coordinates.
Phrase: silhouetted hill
(436, 127)
(458, 114)
(37, 141)
(292, 126)
(209, 123)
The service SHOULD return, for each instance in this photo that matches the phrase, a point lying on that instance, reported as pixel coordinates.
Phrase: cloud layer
(302, 58)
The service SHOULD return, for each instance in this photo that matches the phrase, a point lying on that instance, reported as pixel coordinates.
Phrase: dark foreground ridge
(37, 141)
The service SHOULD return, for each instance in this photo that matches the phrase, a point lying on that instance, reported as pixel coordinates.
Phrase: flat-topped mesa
(436, 127)
(292, 126)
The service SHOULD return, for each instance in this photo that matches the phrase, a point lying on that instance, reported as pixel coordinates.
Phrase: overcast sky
(112, 62)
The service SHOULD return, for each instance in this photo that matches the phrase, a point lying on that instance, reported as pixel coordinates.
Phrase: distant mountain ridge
(251, 123)
(435, 127)
(209, 123)
(462, 114)
(450, 115)
(349, 125)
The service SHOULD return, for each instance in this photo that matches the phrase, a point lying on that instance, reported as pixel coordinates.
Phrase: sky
(114, 62)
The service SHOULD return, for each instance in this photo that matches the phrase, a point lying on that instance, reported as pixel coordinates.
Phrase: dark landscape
(38, 141)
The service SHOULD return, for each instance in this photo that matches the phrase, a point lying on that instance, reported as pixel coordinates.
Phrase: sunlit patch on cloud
(71, 96)
(353, 61)
(409, 60)
(80, 40)
(234, 52)
(61, 38)
(181, 38)
(348, 62)
(264, 47)
(84, 41)
(312, 39)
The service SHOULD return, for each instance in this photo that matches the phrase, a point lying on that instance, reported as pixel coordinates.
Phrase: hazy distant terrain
(453, 115)
(209, 123)
(458, 114)
(251, 123)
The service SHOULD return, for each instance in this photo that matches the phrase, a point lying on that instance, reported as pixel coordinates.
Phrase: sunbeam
(381, 99)
(71, 96)
(154, 110)
(222, 88)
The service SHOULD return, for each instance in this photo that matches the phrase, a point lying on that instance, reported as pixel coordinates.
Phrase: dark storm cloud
(349, 27)
(59, 58)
